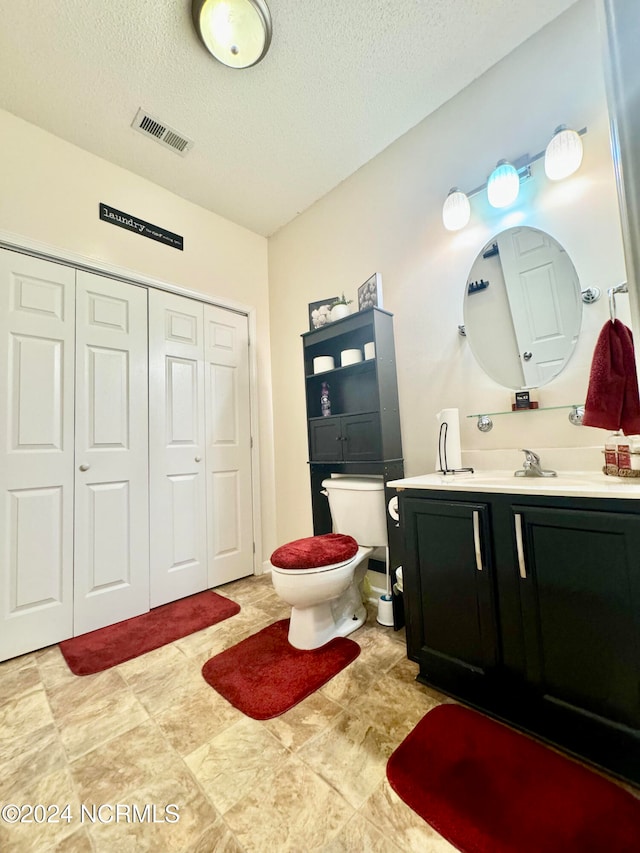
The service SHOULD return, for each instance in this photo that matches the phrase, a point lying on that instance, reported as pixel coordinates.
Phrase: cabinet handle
(84, 467)
(198, 458)
(521, 562)
(476, 539)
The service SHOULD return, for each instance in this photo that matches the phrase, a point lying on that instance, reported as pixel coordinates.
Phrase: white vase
(339, 311)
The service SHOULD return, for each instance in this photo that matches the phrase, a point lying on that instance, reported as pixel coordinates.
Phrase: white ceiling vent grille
(158, 130)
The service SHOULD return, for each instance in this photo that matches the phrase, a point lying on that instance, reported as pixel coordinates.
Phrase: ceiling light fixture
(562, 156)
(236, 32)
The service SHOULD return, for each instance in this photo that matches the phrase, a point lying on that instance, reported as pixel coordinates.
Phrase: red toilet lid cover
(315, 551)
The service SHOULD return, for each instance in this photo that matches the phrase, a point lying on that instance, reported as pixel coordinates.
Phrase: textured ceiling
(342, 80)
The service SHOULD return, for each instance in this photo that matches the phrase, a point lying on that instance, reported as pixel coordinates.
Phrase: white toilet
(326, 600)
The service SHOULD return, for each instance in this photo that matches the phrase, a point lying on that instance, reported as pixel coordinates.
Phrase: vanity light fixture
(503, 185)
(456, 210)
(563, 156)
(235, 32)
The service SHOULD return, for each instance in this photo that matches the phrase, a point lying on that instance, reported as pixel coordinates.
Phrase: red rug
(107, 647)
(263, 676)
(488, 789)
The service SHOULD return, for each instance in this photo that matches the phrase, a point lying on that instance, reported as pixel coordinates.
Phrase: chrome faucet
(531, 466)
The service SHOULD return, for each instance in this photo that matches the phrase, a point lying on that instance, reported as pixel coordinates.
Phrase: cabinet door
(111, 562)
(448, 588)
(361, 437)
(325, 440)
(580, 592)
(176, 447)
(36, 453)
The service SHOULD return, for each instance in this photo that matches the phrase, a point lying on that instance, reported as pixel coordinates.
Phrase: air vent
(162, 133)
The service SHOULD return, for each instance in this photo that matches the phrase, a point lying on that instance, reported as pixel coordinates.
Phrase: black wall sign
(139, 226)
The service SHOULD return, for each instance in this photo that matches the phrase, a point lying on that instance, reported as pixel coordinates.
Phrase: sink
(569, 483)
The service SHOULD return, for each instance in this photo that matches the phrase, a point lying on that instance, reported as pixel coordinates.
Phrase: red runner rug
(107, 647)
(488, 789)
(263, 676)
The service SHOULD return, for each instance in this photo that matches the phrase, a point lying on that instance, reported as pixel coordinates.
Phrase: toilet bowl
(321, 576)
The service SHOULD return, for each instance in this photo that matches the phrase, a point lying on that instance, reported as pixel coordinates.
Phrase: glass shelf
(575, 414)
(538, 409)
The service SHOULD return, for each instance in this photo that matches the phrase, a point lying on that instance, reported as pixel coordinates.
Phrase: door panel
(177, 448)
(448, 587)
(325, 439)
(228, 419)
(36, 453)
(112, 516)
(361, 437)
(581, 609)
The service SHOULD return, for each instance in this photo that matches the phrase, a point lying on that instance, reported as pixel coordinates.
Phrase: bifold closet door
(228, 419)
(111, 563)
(36, 453)
(176, 447)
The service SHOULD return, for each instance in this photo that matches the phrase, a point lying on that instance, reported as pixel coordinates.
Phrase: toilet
(321, 576)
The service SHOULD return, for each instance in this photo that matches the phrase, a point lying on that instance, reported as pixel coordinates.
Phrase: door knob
(198, 458)
(527, 355)
(84, 467)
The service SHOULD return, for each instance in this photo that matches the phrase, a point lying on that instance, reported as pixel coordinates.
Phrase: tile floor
(151, 731)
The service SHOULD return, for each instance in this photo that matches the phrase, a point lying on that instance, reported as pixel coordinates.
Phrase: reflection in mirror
(522, 308)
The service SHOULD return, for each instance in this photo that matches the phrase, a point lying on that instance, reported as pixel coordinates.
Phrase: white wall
(50, 192)
(387, 218)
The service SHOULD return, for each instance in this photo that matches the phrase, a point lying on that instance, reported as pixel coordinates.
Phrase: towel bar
(619, 288)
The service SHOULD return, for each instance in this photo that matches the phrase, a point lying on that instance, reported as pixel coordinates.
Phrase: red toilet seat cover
(315, 551)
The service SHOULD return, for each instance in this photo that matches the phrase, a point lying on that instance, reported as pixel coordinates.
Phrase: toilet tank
(358, 508)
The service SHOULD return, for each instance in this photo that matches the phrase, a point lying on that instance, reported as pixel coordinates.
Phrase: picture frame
(370, 293)
(320, 313)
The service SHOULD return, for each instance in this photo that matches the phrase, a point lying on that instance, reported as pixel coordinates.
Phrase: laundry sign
(139, 226)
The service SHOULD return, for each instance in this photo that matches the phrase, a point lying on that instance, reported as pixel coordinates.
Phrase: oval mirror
(522, 308)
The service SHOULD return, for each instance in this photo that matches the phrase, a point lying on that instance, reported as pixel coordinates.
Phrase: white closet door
(36, 453)
(229, 512)
(176, 447)
(111, 467)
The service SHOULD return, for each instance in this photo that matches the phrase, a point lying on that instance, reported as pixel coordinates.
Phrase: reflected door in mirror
(524, 326)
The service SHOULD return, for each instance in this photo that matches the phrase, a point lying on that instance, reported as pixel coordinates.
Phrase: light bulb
(564, 154)
(456, 210)
(503, 185)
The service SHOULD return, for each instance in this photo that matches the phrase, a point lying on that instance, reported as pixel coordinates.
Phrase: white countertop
(577, 484)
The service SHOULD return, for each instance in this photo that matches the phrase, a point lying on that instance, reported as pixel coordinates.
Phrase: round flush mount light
(236, 32)
(563, 155)
(456, 210)
(503, 185)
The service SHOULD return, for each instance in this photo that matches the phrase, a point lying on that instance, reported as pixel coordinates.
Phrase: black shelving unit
(362, 434)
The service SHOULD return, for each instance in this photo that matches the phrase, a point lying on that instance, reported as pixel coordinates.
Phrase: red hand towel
(630, 418)
(612, 397)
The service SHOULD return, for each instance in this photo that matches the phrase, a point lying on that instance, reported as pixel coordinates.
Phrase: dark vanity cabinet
(362, 433)
(528, 607)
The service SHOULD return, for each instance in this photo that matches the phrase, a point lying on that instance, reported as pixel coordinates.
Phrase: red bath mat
(107, 647)
(263, 676)
(488, 789)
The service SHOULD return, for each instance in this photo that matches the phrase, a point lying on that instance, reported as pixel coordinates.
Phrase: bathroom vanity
(522, 598)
